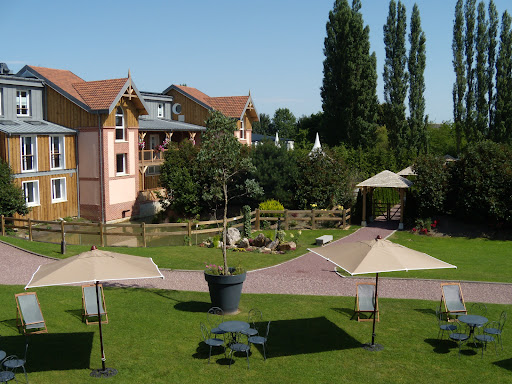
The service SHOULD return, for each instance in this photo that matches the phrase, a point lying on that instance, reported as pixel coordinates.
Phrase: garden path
(306, 275)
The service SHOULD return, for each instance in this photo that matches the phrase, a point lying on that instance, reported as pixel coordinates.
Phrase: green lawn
(194, 257)
(153, 337)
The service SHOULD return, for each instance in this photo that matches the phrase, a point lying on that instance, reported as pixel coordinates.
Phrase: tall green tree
(262, 127)
(459, 63)
(284, 123)
(416, 65)
(491, 62)
(307, 128)
(503, 112)
(395, 76)
(12, 199)
(469, 49)
(349, 88)
(482, 50)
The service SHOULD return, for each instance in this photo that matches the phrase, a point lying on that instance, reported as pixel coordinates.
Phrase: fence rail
(144, 233)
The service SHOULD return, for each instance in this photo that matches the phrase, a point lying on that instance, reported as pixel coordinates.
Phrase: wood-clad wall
(194, 113)
(130, 113)
(3, 147)
(48, 210)
(64, 112)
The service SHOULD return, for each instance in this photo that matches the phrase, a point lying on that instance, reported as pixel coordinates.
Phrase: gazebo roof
(406, 172)
(386, 179)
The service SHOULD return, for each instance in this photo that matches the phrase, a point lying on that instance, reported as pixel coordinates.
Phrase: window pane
(120, 166)
(119, 134)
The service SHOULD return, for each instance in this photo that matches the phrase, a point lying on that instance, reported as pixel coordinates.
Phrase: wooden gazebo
(385, 179)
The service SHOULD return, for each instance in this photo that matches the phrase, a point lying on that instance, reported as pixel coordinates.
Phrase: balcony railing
(151, 156)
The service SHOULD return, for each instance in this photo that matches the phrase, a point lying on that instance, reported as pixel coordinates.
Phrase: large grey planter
(225, 291)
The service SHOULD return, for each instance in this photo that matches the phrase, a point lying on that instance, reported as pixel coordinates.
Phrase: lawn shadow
(444, 346)
(52, 352)
(304, 336)
(193, 306)
(348, 312)
(77, 313)
(10, 323)
(505, 364)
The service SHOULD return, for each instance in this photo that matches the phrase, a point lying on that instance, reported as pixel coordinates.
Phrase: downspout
(77, 174)
(102, 190)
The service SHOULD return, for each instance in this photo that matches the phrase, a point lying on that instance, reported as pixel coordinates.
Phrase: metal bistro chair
(239, 347)
(459, 336)
(211, 342)
(261, 340)
(254, 316)
(8, 374)
(13, 363)
(484, 338)
(495, 328)
(444, 325)
(215, 316)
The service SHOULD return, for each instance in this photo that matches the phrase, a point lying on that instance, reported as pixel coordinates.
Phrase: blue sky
(274, 48)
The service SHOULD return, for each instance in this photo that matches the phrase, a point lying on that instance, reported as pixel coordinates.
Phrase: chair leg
(247, 353)
(26, 377)
(264, 354)
(210, 354)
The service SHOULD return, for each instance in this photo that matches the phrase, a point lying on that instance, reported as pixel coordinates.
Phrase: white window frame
(63, 190)
(124, 157)
(160, 110)
(1, 107)
(153, 170)
(121, 127)
(35, 190)
(34, 153)
(62, 154)
(242, 130)
(19, 102)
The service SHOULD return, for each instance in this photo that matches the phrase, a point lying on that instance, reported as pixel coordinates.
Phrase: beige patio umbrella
(95, 266)
(376, 256)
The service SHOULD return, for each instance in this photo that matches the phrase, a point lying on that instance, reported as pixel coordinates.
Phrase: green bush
(271, 205)
(430, 186)
(246, 230)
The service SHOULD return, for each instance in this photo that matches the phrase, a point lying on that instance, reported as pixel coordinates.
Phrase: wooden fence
(143, 233)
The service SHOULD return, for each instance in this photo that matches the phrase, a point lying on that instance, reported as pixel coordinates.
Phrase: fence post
(30, 229)
(143, 225)
(344, 218)
(312, 219)
(257, 222)
(3, 225)
(189, 231)
(102, 240)
(285, 219)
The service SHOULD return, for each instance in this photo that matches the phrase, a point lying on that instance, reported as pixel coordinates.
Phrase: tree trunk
(225, 229)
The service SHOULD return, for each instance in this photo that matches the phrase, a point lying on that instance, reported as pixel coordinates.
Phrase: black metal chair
(444, 325)
(261, 340)
(478, 309)
(211, 341)
(239, 347)
(459, 336)
(483, 339)
(495, 328)
(215, 316)
(254, 316)
(7, 374)
(13, 363)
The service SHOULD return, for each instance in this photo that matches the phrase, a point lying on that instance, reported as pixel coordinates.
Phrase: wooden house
(105, 114)
(195, 106)
(41, 154)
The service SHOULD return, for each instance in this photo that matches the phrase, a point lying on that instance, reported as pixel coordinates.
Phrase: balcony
(151, 157)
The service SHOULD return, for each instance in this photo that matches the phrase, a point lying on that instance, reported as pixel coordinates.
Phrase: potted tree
(226, 166)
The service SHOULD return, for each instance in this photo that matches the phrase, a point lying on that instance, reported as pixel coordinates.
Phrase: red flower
(414, 229)
(424, 230)
(433, 225)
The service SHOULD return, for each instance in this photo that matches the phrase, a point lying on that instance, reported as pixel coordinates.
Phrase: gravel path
(306, 275)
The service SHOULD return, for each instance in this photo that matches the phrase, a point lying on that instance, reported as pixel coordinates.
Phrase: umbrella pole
(99, 323)
(375, 307)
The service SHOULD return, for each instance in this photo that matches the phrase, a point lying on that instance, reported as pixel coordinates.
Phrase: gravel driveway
(306, 275)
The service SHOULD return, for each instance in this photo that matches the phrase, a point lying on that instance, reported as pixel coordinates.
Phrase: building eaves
(146, 124)
(33, 127)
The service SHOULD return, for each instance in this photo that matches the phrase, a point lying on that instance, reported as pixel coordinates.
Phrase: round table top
(473, 319)
(234, 326)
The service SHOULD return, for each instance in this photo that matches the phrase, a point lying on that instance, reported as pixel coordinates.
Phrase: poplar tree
(459, 87)
(395, 77)
(469, 45)
(491, 62)
(482, 48)
(503, 112)
(349, 89)
(416, 66)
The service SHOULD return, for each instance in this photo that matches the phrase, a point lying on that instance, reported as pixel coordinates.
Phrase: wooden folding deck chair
(90, 304)
(453, 301)
(365, 302)
(28, 314)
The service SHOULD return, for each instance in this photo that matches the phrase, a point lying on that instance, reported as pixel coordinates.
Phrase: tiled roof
(40, 127)
(231, 106)
(63, 79)
(196, 93)
(100, 94)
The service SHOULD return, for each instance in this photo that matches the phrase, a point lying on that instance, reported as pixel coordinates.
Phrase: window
(121, 164)
(154, 140)
(153, 170)
(59, 190)
(1, 109)
(57, 152)
(242, 130)
(160, 110)
(31, 191)
(22, 103)
(120, 134)
(28, 154)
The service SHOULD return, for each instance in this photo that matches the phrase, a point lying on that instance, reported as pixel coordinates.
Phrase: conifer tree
(459, 87)
(503, 113)
(416, 66)
(395, 77)
(491, 62)
(482, 48)
(469, 45)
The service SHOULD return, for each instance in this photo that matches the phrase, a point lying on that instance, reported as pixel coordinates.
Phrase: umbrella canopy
(94, 266)
(376, 256)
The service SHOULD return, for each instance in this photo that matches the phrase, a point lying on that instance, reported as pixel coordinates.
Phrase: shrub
(430, 186)
(246, 230)
(271, 205)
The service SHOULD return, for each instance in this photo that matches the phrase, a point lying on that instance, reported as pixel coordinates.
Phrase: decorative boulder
(290, 246)
(273, 245)
(244, 243)
(259, 241)
(233, 236)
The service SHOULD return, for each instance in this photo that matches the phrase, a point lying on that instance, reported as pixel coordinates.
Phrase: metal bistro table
(473, 321)
(234, 328)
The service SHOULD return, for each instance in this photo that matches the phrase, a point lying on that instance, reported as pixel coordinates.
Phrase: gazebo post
(363, 218)
(401, 224)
